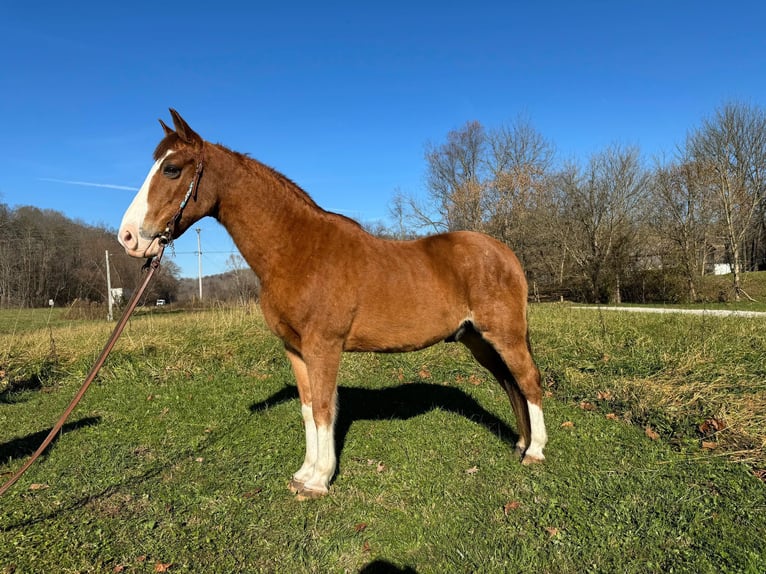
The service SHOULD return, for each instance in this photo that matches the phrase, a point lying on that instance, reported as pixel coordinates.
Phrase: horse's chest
(293, 321)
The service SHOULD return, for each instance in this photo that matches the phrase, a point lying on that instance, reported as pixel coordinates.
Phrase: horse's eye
(171, 171)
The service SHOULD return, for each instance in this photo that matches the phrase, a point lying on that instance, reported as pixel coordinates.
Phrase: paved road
(711, 312)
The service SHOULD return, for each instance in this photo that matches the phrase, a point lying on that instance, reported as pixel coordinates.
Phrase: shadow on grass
(401, 402)
(26, 445)
(14, 393)
(385, 567)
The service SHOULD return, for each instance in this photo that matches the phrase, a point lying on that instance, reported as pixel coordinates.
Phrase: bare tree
(732, 146)
(682, 217)
(246, 282)
(601, 205)
(411, 217)
(456, 177)
(518, 193)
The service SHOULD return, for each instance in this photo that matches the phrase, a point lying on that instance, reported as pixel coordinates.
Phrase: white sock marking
(539, 436)
(306, 471)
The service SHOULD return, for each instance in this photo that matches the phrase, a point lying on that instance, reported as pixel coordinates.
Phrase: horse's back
(476, 259)
(420, 291)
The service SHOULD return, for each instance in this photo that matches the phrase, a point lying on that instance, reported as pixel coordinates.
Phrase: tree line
(615, 227)
(45, 256)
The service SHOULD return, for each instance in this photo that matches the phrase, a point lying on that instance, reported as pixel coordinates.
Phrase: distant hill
(235, 285)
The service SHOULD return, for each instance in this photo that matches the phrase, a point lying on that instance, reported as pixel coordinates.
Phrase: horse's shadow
(401, 402)
(26, 445)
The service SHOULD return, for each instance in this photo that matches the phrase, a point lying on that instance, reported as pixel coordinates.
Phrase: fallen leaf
(567, 425)
(360, 527)
(472, 470)
(709, 445)
(474, 380)
(612, 417)
(119, 568)
(604, 395)
(552, 531)
(651, 433)
(381, 467)
(586, 406)
(548, 394)
(509, 506)
(760, 474)
(424, 373)
(38, 486)
(141, 558)
(366, 546)
(199, 459)
(711, 426)
(162, 566)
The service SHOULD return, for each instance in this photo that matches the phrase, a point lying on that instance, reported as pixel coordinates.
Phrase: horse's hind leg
(508, 357)
(490, 359)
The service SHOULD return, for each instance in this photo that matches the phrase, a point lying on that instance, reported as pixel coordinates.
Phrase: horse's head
(167, 203)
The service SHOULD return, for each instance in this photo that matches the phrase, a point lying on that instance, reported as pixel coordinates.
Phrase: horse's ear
(166, 129)
(183, 130)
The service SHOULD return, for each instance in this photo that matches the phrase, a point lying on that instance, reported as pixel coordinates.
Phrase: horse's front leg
(306, 470)
(316, 370)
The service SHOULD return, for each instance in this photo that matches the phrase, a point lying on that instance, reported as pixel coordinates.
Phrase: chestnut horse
(328, 286)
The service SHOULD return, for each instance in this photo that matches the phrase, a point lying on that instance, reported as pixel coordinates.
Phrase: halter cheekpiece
(166, 236)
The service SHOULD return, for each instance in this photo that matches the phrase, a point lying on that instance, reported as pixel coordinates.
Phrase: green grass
(718, 287)
(181, 453)
(18, 321)
(691, 378)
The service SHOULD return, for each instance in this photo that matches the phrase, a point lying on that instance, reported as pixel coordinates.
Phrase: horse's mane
(296, 189)
(172, 140)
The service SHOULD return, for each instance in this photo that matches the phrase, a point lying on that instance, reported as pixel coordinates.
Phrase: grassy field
(178, 458)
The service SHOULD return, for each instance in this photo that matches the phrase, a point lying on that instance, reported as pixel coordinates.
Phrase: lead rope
(152, 265)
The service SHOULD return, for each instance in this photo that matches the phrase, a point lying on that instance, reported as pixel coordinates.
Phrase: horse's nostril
(128, 238)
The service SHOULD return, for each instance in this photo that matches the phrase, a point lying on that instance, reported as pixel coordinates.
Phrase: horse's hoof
(295, 486)
(307, 494)
(530, 459)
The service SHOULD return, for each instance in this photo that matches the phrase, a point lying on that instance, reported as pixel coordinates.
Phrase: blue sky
(342, 97)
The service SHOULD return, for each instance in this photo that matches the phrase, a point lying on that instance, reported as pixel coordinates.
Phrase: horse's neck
(269, 218)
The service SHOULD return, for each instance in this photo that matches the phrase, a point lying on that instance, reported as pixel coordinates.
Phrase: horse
(328, 286)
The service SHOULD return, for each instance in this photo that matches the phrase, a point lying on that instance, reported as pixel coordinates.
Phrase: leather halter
(166, 236)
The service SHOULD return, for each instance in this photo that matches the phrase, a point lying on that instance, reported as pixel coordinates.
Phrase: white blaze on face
(131, 235)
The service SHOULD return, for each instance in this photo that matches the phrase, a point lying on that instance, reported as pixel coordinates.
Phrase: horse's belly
(401, 328)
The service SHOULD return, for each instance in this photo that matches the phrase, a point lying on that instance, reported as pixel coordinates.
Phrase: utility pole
(199, 261)
(109, 315)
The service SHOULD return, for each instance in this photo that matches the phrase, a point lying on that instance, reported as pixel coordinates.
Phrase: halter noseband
(166, 236)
